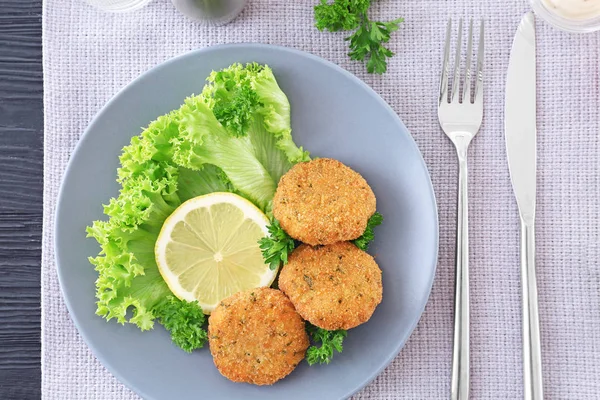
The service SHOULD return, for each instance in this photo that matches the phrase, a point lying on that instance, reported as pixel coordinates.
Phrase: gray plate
(334, 114)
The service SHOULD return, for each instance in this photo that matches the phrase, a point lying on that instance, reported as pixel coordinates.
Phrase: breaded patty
(333, 287)
(323, 202)
(257, 336)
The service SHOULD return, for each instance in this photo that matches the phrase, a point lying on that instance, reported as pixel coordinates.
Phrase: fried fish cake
(257, 336)
(323, 202)
(333, 287)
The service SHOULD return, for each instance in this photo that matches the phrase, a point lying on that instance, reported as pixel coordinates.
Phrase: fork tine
(479, 83)
(456, 80)
(466, 97)
(444, 79)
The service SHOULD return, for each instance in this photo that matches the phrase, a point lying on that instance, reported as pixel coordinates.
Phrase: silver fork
(460, 118)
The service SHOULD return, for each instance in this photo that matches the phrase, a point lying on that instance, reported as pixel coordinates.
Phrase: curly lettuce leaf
(276, 113)
(266, 151)
(130, 287)
(128, 277)
(209, 179)
(234, 137)
(369, 234)
(265, 117)
(203, 140)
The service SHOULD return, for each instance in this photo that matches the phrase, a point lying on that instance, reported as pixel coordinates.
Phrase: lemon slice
(208, 249)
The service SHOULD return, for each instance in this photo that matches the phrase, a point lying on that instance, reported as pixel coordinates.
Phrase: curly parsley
(367, 42)
(325, 342)
(184, 320)
(277, 246)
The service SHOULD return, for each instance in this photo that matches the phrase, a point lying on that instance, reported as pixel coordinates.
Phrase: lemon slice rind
(207, 253)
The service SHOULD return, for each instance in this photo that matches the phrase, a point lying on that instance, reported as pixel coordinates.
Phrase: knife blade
(520, 134)
(520, 116)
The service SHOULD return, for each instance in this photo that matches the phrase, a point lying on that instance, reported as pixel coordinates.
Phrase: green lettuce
(233, 137)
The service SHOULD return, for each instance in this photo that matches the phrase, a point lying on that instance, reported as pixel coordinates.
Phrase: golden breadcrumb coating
(333, 287)
(323, 202)
(257, 336)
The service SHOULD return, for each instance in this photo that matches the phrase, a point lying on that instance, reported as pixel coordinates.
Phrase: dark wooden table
(21, 179)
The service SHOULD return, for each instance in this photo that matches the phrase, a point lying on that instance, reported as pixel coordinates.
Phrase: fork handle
(460, 354)
(532, 357)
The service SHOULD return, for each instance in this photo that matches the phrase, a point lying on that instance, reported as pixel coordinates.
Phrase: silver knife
(520, 133)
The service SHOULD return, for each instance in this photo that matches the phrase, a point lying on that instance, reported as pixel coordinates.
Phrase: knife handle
(532, 357)
(460, 353)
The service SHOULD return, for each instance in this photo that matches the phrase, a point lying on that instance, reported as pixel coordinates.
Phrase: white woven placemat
(89, 56)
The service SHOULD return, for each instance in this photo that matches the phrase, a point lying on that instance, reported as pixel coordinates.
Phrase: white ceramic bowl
(545, 11)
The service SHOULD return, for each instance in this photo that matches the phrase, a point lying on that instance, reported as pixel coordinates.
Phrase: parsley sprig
(367, 42)
(325, 342)
(277, 246)
(184, 320)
